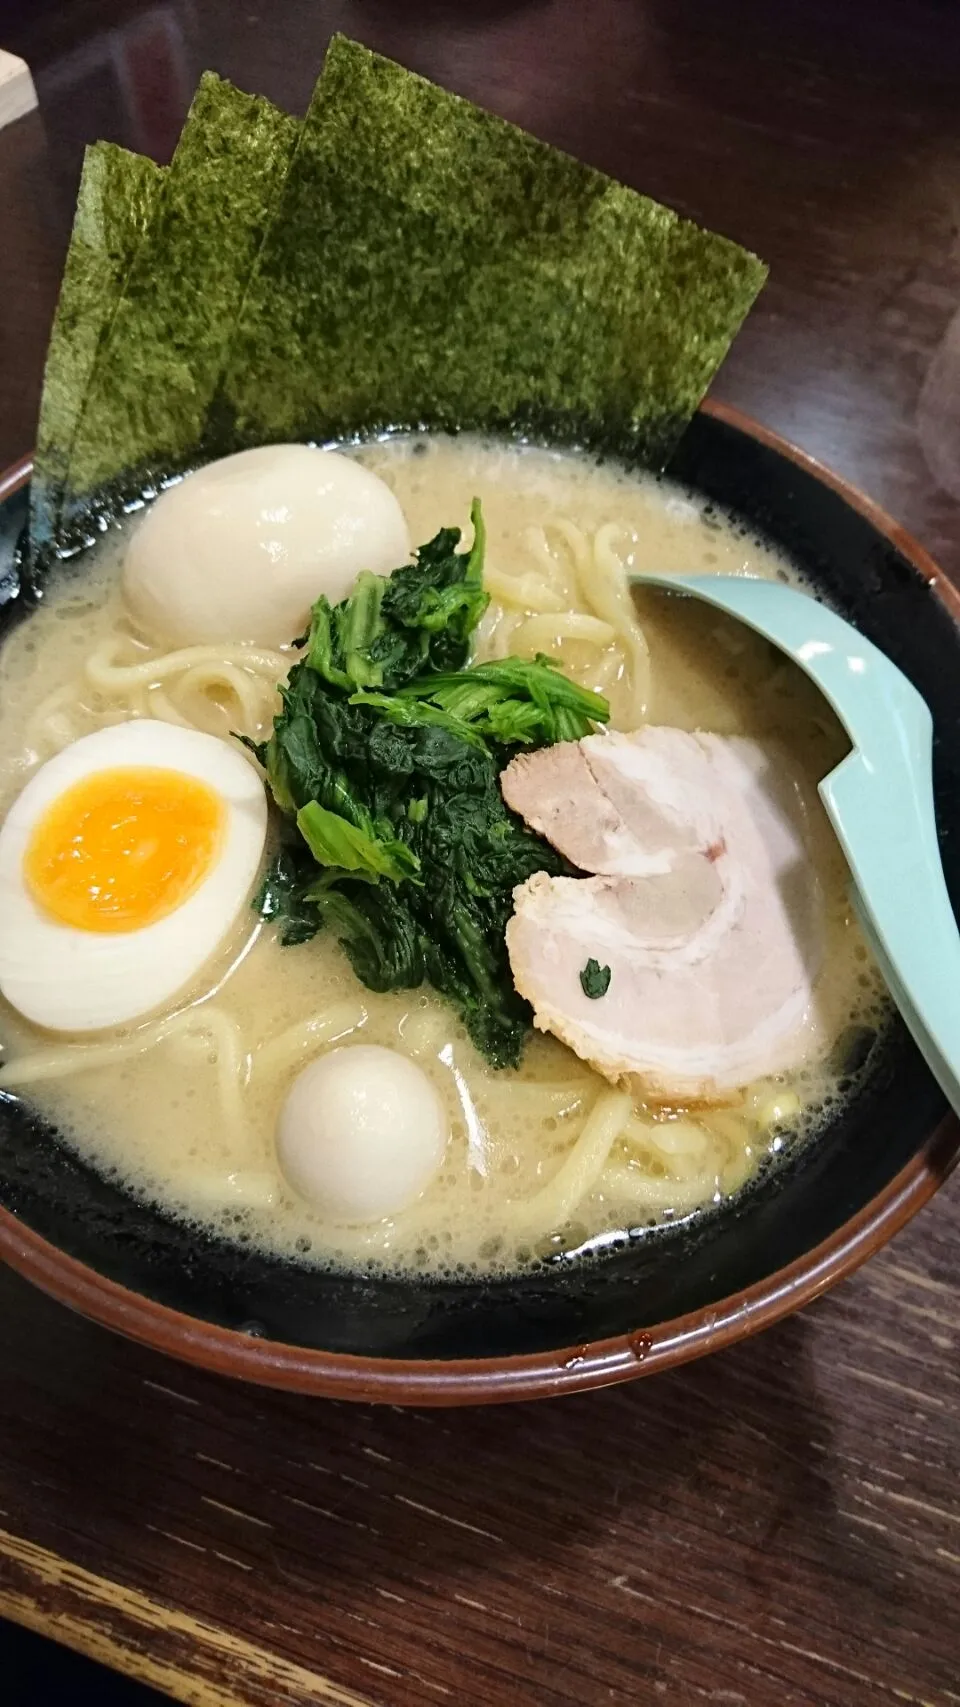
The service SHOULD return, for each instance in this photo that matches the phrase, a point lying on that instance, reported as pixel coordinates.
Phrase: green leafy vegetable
(405, 847)
(595, 980)
(413, 713)
(282, 897)
(334, 841)
(421, 618)
(513, 702)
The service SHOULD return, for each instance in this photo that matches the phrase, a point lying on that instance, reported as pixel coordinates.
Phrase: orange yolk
(123, 848)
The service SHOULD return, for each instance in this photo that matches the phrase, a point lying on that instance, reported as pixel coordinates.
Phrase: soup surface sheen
(543, 1160)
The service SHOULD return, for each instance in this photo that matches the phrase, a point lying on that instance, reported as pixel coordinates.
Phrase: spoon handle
(886, 826)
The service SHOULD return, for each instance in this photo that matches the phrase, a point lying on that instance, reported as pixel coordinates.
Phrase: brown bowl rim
(540, 1374)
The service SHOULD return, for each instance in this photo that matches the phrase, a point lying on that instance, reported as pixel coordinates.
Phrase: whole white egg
(362, 1133)
(124, 864)
(241, 549)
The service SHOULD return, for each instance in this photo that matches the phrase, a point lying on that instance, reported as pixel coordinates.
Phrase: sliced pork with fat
(704, 902)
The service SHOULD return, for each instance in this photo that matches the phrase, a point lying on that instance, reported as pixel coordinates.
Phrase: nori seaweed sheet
(150, 390)
(432, 263)
(114, 204)
(401, 258)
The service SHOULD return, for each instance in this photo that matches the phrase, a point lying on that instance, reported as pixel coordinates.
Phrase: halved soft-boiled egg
(124, 864)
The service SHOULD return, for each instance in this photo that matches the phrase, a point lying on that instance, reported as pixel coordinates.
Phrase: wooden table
(775, 1527)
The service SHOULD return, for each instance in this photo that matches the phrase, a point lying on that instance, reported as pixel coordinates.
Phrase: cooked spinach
(419, 619)
(385, 760)
(511, 702)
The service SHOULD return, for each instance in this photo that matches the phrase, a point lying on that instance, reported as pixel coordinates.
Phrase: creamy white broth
(184, 1111)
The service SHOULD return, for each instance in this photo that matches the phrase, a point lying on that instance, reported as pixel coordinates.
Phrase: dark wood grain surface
(778, 1525)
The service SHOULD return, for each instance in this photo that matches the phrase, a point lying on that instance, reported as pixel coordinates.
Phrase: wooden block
(17, 94)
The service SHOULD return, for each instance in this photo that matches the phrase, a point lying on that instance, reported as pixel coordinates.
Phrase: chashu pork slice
(704, 903)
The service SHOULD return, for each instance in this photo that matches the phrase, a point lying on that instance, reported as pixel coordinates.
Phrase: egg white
(66, 979)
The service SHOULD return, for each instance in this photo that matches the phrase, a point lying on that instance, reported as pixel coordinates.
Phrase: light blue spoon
(879, 800)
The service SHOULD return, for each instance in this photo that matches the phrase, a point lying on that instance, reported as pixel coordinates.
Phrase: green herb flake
(595, 980)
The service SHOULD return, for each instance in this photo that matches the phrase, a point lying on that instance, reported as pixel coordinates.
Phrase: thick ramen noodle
(545, 1159)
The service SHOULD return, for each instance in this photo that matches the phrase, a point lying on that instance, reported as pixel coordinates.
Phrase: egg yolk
(123, 848)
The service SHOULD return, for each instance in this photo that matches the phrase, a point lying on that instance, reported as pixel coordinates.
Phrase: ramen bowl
(674, 1293)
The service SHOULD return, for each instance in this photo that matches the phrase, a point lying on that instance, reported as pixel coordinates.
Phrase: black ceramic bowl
(675, 1293)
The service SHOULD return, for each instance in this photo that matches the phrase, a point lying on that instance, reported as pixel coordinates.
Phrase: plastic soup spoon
(879, 800)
